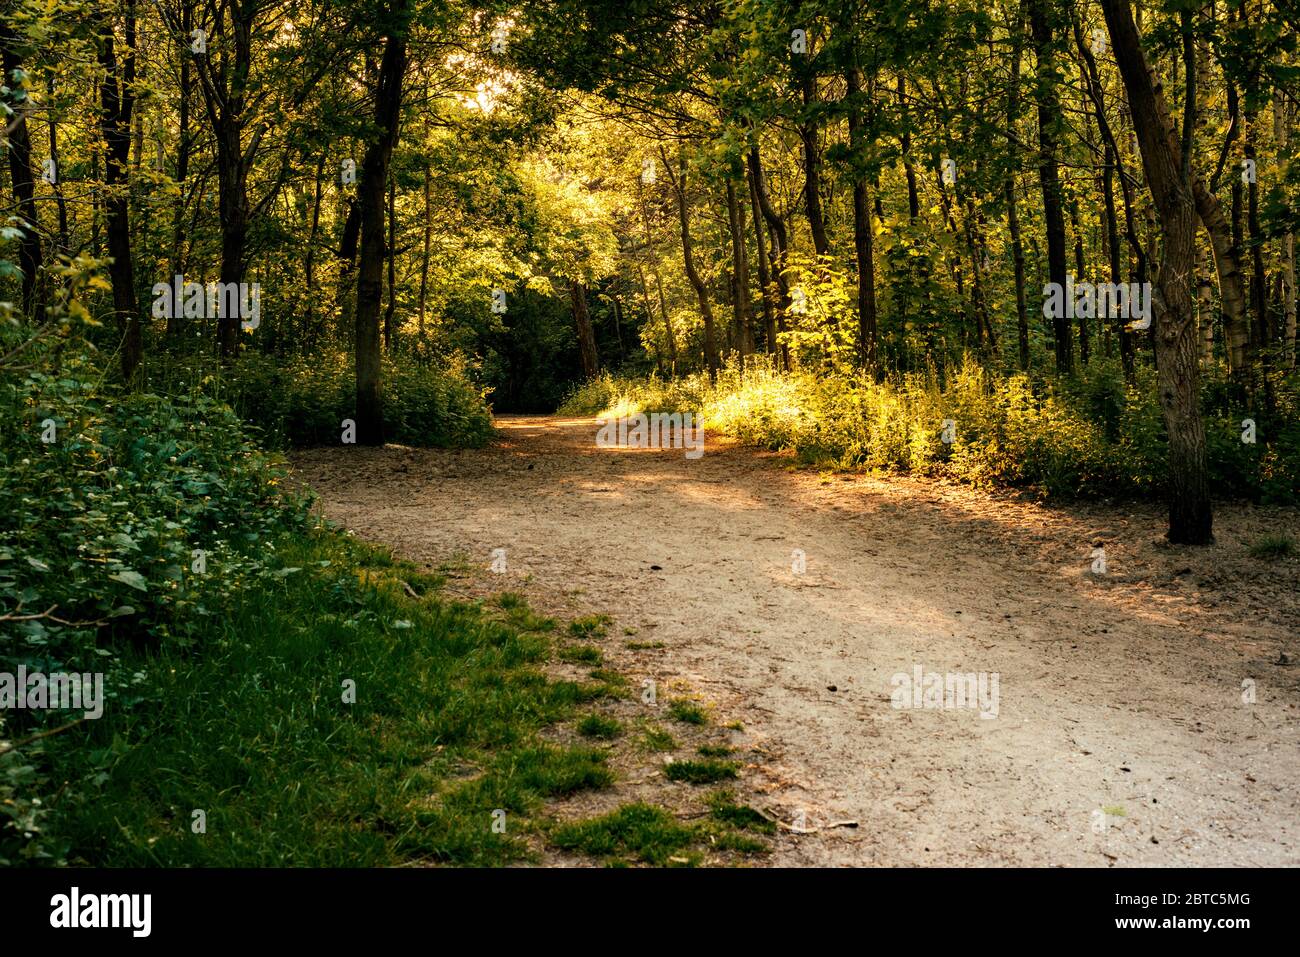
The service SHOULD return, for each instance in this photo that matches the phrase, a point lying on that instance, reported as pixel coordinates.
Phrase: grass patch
(589, 627)
(657, 739)
(644, 645)
(636, 832)
(1273, 547)
(700, 772)
(598, 726)
(724, 809)
(258, 727)
(716, 751)
(582, 654)
(687, 712)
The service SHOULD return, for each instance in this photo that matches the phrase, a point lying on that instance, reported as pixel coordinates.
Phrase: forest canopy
(390, 212)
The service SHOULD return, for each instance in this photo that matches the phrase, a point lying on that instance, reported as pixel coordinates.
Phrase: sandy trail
(1121, 735)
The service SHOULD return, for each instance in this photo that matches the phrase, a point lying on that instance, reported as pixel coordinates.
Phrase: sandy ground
(1123, 734)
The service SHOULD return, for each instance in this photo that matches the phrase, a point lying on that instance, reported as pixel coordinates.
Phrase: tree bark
(370, 193)
(117, 99)
(1049, 107)
(1190, 514)
(586, 334)
(711, 359)
(30, 256)
(780, 247)
(739, 273)
(863, 236)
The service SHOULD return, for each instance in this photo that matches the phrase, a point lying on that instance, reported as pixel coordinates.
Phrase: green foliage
(254, 729)
(303, 401)
(106, 499)
(1090, 435)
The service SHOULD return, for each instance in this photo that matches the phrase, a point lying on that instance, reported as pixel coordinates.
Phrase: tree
(370, 203)
(1190, 516)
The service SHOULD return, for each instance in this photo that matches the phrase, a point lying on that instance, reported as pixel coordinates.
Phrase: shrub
(304, 400)
(1089, 435)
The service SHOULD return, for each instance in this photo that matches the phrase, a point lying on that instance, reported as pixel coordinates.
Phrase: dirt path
(1121, 734)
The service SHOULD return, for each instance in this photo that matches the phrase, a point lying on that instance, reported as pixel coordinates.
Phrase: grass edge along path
(346, 714)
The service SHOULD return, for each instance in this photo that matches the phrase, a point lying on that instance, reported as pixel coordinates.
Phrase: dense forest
(1040, 244)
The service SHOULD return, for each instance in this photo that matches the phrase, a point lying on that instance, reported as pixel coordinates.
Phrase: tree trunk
(1281, 138)
(428, 241)
(1190, 515)
(117, 98)
(1114, 165)
(309, 266)
(1049, 107)
(586, 334)
(183, 167)
(812, 163)
(863, 237)
(1009, 191)
(780, 247)
(59, 199)
(390, 308)
(711, 360)
(659, 281)
(370, 193)
(24, 183)
(764, 275)
(905, 141)
(739, 273)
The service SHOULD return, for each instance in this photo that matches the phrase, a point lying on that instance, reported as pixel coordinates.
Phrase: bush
(106, 500)
(303, 401)
(1090, 435)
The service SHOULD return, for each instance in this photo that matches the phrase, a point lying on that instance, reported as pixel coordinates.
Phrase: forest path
(1121, 735)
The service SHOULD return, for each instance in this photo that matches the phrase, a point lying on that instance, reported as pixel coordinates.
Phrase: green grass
(723, 808)
(644, 645)
(700, 772)
(598, 726)
(715, 751)
(657, 739)
(582, 654)
(687, 712)
(639, 832)
(1273, 547)
(252, 728)
(589, 627)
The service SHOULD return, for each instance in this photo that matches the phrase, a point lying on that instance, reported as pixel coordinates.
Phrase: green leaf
(134, 579)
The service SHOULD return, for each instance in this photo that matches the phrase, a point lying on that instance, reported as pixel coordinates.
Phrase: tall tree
(1042, 24)
(20, 169)
(117, 100)
(370, 202)
(1178, 384)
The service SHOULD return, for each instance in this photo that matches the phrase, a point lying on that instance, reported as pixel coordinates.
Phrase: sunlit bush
(1090, 435)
